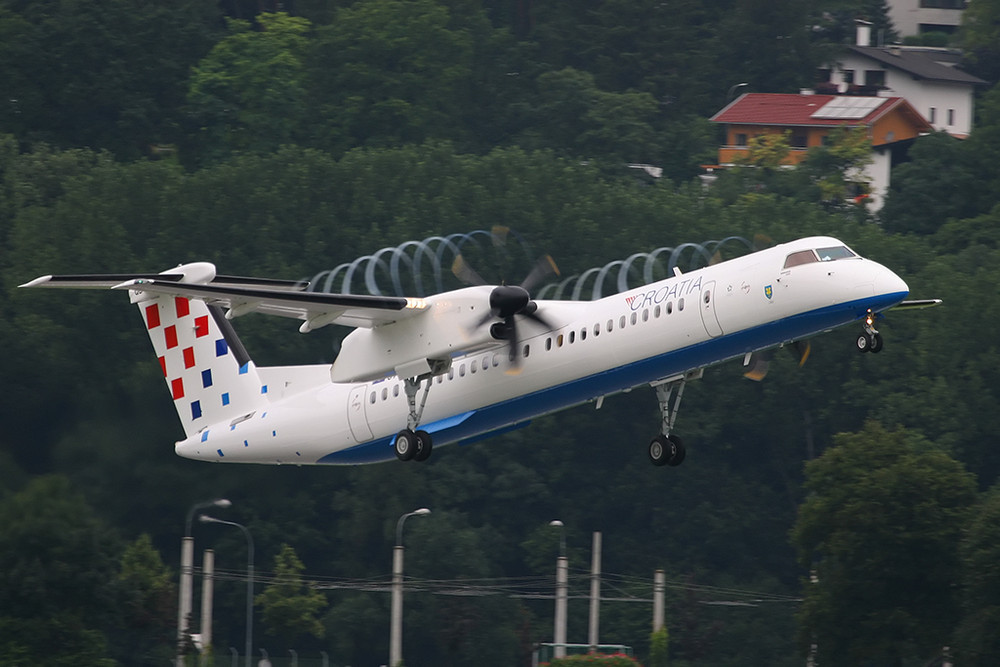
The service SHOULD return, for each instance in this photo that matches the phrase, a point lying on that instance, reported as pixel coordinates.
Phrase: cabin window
(799, 258)
(708, 296)
(572, 337)
(496, 359)
(526, 351)
(559, 340)
(451, 373)
(633, 319)
(440, 379)
(461, 371)
(385, 393)
(670, 307)
(371, 399)
(621, 322)
(486, 363)
(831, 254)
(395, 391)
(645, 314)
(548, 344)
(472, 367)
(597, 329)
(611, 326)
(583, 334)
(680, 304)
(656, 311)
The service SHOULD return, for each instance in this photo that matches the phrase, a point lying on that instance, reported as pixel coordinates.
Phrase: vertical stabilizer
(208, 372)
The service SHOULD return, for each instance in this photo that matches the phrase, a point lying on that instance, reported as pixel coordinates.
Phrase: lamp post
(187, 569)
(733, 89)
(562, 581)
(396, 626)
(211, 519)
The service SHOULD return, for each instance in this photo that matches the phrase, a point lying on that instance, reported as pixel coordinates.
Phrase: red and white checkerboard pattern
(204, 378)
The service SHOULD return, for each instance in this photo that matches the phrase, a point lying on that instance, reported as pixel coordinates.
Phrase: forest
(846, 511)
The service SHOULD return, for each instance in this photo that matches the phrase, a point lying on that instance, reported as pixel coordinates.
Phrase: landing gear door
(356, 417)
(708, 315)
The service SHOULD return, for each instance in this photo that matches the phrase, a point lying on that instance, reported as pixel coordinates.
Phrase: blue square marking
(245, 368)
(221, 348)
(225, 398)
(220, 452)
(246, 443)
(204, 436)
(195, 409)
(206, 378)
(263, 389)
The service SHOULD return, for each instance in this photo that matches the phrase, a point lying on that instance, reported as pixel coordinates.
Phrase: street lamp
(562, 583)
(733, 89)
(396, 626)
(187, 569)
(211, 519)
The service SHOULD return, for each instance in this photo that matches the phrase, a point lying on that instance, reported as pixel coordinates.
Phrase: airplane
(481, 360)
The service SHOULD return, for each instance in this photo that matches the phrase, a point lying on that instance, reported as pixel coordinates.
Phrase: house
(890, 122)
(927, 77)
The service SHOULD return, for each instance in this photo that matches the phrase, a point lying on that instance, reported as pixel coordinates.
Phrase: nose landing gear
(870, 340)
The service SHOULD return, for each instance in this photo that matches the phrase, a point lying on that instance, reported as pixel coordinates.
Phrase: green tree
(977, 638)
(658, 648)
(148, 604)
(58, 591)
(877, 531)
(249, 92)
(979, 37)
(288, 606)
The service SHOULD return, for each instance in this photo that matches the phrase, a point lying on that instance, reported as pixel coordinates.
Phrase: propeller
(508, 301)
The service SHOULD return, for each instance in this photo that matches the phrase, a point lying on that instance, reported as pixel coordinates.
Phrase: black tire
(424, 446)
(679, 452)
(405, 445)
(876, 343)
(660, 450)
(863, 342)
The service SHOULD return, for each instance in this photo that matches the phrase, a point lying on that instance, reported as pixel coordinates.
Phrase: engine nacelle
(448, 327)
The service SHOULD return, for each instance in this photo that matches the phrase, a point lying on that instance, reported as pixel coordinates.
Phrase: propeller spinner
(508, 301)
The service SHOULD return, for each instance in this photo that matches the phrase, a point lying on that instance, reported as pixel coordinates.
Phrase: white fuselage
(642, 336)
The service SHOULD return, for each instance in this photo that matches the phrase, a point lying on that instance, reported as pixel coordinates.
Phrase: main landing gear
(870, 340)
(667, 449)
(411, 443)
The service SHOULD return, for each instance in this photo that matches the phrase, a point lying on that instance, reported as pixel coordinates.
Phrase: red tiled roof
(789, 109)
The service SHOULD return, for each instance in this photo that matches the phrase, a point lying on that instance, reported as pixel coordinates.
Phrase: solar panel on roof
(849, 108)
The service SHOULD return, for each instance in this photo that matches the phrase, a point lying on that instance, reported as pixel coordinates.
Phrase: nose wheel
(870, 340)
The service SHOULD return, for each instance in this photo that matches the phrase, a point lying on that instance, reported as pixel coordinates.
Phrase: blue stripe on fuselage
(517, 411)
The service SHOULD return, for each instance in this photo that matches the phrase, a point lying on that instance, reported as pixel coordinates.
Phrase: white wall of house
(877, 174)
(947, 106)
(907, 16)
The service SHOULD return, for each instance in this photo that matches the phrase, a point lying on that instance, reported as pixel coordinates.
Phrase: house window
(933, 115)
(741, 139)
(848, 76)
(875, 77)
(951, 116)
(799, 139)
(822, 75)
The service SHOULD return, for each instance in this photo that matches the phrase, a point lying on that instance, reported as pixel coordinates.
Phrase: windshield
(836, 252)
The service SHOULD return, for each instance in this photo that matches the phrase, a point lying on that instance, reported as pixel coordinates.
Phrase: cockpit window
(800, 257)
(837, 252)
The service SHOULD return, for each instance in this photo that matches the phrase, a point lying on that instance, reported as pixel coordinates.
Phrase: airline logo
(677, 289)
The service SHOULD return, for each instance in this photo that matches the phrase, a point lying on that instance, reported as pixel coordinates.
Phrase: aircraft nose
(888, 283)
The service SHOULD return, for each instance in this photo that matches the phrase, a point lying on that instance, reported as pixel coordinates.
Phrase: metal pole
(562, 581)
(396, 630)
(595, 593)
(184, 605)
(659, 587)
(207, 591)
(396, 613)
(249, 631)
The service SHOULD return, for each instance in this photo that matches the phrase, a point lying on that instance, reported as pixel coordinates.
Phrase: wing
(254, 295)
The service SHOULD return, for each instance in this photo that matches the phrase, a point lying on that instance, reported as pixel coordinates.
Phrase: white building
(926, 77)
(915, 17)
